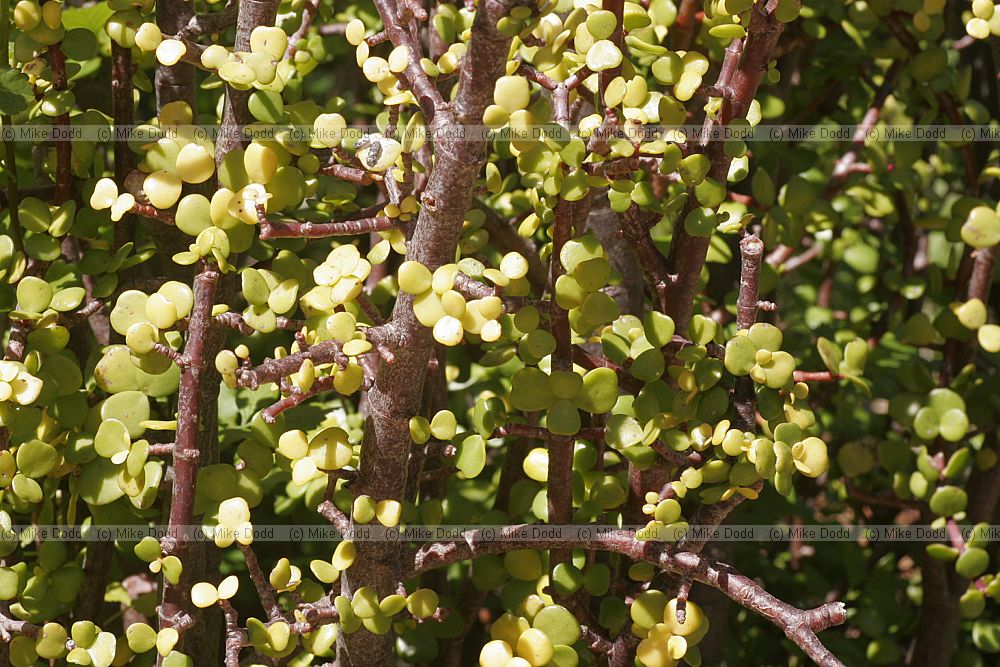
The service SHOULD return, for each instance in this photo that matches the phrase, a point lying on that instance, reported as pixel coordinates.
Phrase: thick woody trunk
(396, 393)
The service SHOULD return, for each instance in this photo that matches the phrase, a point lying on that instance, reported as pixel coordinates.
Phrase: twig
(751, 253)
(186, 450)
(309, 9)
(316, 230)
(64, 150)
(742, 71)
(296, 398)
(235, 637)
(799, 625)
(206, 24)
(653, 263)
(816, 376)
(265, 591)
(273, 370)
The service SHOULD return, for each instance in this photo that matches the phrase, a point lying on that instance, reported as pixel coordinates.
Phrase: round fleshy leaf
(603, 55)
(765, 336)
(330, 450)
(141, 637)
(740, 351)
(622, 431)
(166, 639)
(129, 309)
(954, 425)
(68, 299)
(558, 624)
(234, 512)
(33, 294)
(949, 500)
(599, 392)
(36, 458)
(563, 418)
(981, 228)
(228, 587)
(972, 563)
(130, 408)
(530, 390)
(536, 465)
(811, 457)
(324, 571)
(204, 594)
(471, 456)
(112, 438)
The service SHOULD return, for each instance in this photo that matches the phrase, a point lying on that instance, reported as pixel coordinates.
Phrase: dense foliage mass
(406, 264)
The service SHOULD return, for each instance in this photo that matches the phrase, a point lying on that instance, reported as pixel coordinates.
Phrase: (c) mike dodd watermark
(147, 135)
(527, 534)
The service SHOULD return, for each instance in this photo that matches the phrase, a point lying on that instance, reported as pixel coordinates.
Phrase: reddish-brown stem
(653, 263)
(170, 353)
(847, 162)
(799, 625)
(265, 591)
(177, 81)
(560, 479)
(673, 458)
(309, 9)
(589, 360)
(147, 211)
(349, 174)
(816, 376)
(396, 393)
(187, 449)
(802, 258)
(296, 398)
(64, 150)
(317, 230)
(685, 27)
(161, 449)
(273, 370)
(751, 255)
(616, 7)
(413, 77)
(70, 320)
(122, 106)
(251, 14)
(532, 74)
(235, 637)
(540, 433)
(369, 309)
(206, 24)
(742, 71)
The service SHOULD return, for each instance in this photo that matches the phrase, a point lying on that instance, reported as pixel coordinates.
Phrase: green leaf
(15, 91)
(949, 500)
(471, 457)
(972, 563)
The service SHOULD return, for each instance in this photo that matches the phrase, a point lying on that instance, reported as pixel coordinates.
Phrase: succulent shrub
(384, 265)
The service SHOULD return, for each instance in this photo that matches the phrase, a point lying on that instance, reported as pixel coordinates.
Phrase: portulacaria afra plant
(567, 275)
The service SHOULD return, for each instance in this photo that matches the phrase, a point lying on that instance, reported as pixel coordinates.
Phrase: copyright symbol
(200, 133)
(968, 134)
(295, 534)
(8, 133)
(104, 134)
(775, 534)
(104, 534)
(871, 134)
(392, 534)
(489, 534)
(872, 535)
(586, 534)
(777, 133)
